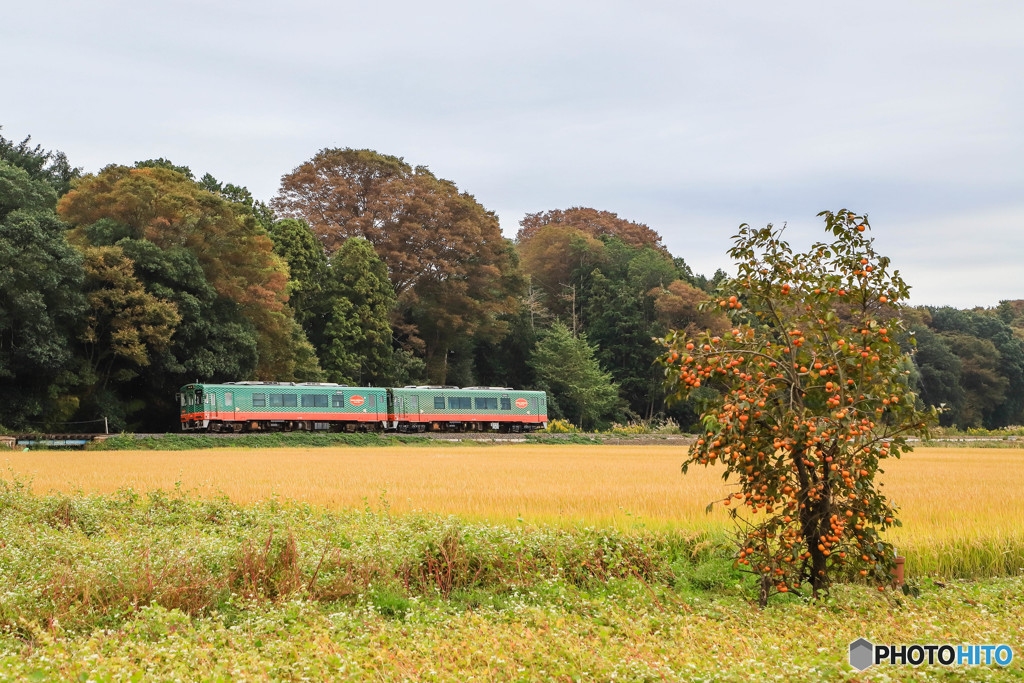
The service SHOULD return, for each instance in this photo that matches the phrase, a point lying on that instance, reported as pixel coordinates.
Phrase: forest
(118, 287)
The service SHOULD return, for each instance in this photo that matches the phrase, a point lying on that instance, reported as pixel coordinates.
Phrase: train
(328, 407)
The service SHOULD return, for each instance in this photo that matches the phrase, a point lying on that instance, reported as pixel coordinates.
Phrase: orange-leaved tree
(814, 393)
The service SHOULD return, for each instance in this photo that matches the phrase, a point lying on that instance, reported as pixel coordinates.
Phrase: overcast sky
(692, 117)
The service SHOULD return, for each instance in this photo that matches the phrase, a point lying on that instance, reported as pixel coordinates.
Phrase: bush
(560, 427)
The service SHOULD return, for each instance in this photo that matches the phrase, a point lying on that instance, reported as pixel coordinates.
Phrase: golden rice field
(962, 508)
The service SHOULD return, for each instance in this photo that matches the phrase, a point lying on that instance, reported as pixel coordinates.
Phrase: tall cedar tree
(349, 323)
(307, 263)
(814, 395)
(565, 365)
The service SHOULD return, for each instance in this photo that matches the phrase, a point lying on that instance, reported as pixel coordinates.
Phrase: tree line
(118, 287)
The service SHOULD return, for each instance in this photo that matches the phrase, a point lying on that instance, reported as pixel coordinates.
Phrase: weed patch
(168, 585)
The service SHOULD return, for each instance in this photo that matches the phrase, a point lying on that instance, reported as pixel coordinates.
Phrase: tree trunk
(813, 522)
(437, 364)
(766, 584)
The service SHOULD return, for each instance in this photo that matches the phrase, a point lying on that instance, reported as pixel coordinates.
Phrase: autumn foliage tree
(814, 395)
(124, 325)
(164, 207)
(452, 271)
(592, 222)
(556, 259)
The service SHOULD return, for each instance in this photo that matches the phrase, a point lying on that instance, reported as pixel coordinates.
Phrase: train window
(460, 403)
(259, 400)
(486, 403)
(506, 403)
(229, 399)
(439, 402)
(338, 401)
(290, 400)
(314, 401)
(371, 401)
(276, 400)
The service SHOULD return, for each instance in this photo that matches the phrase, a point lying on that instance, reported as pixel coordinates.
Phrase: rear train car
(282, 406)
(472, 409)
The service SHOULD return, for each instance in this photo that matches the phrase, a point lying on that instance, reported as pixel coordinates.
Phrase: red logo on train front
(522, 403)
(356, 400)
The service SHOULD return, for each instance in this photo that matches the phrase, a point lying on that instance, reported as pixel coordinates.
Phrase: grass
(191, 442)
(976, 442)
(166, 585)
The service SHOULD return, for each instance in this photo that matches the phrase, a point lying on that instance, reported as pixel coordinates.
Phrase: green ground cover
(163, 586)
(188, 442)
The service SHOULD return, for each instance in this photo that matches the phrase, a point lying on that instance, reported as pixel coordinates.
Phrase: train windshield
(191, 396)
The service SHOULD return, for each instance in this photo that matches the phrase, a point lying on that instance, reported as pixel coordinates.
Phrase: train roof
(326, 385)
(333, 385)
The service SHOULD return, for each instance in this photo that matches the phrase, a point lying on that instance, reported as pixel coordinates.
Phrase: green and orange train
(319, 406)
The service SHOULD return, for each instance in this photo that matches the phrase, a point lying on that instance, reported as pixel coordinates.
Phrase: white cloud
(691, 117)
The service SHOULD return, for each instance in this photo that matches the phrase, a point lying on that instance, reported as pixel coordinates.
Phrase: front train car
(282, 406)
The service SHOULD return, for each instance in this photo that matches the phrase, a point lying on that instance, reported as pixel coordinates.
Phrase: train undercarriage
(402, 427)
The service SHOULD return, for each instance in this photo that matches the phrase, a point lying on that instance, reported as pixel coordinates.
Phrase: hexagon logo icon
(861, 654)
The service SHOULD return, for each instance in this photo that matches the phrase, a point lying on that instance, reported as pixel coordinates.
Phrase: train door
(401, 410)
(377, 406)
(392, 411)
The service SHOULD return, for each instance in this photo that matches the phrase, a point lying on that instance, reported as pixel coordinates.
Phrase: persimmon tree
(814, 394)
